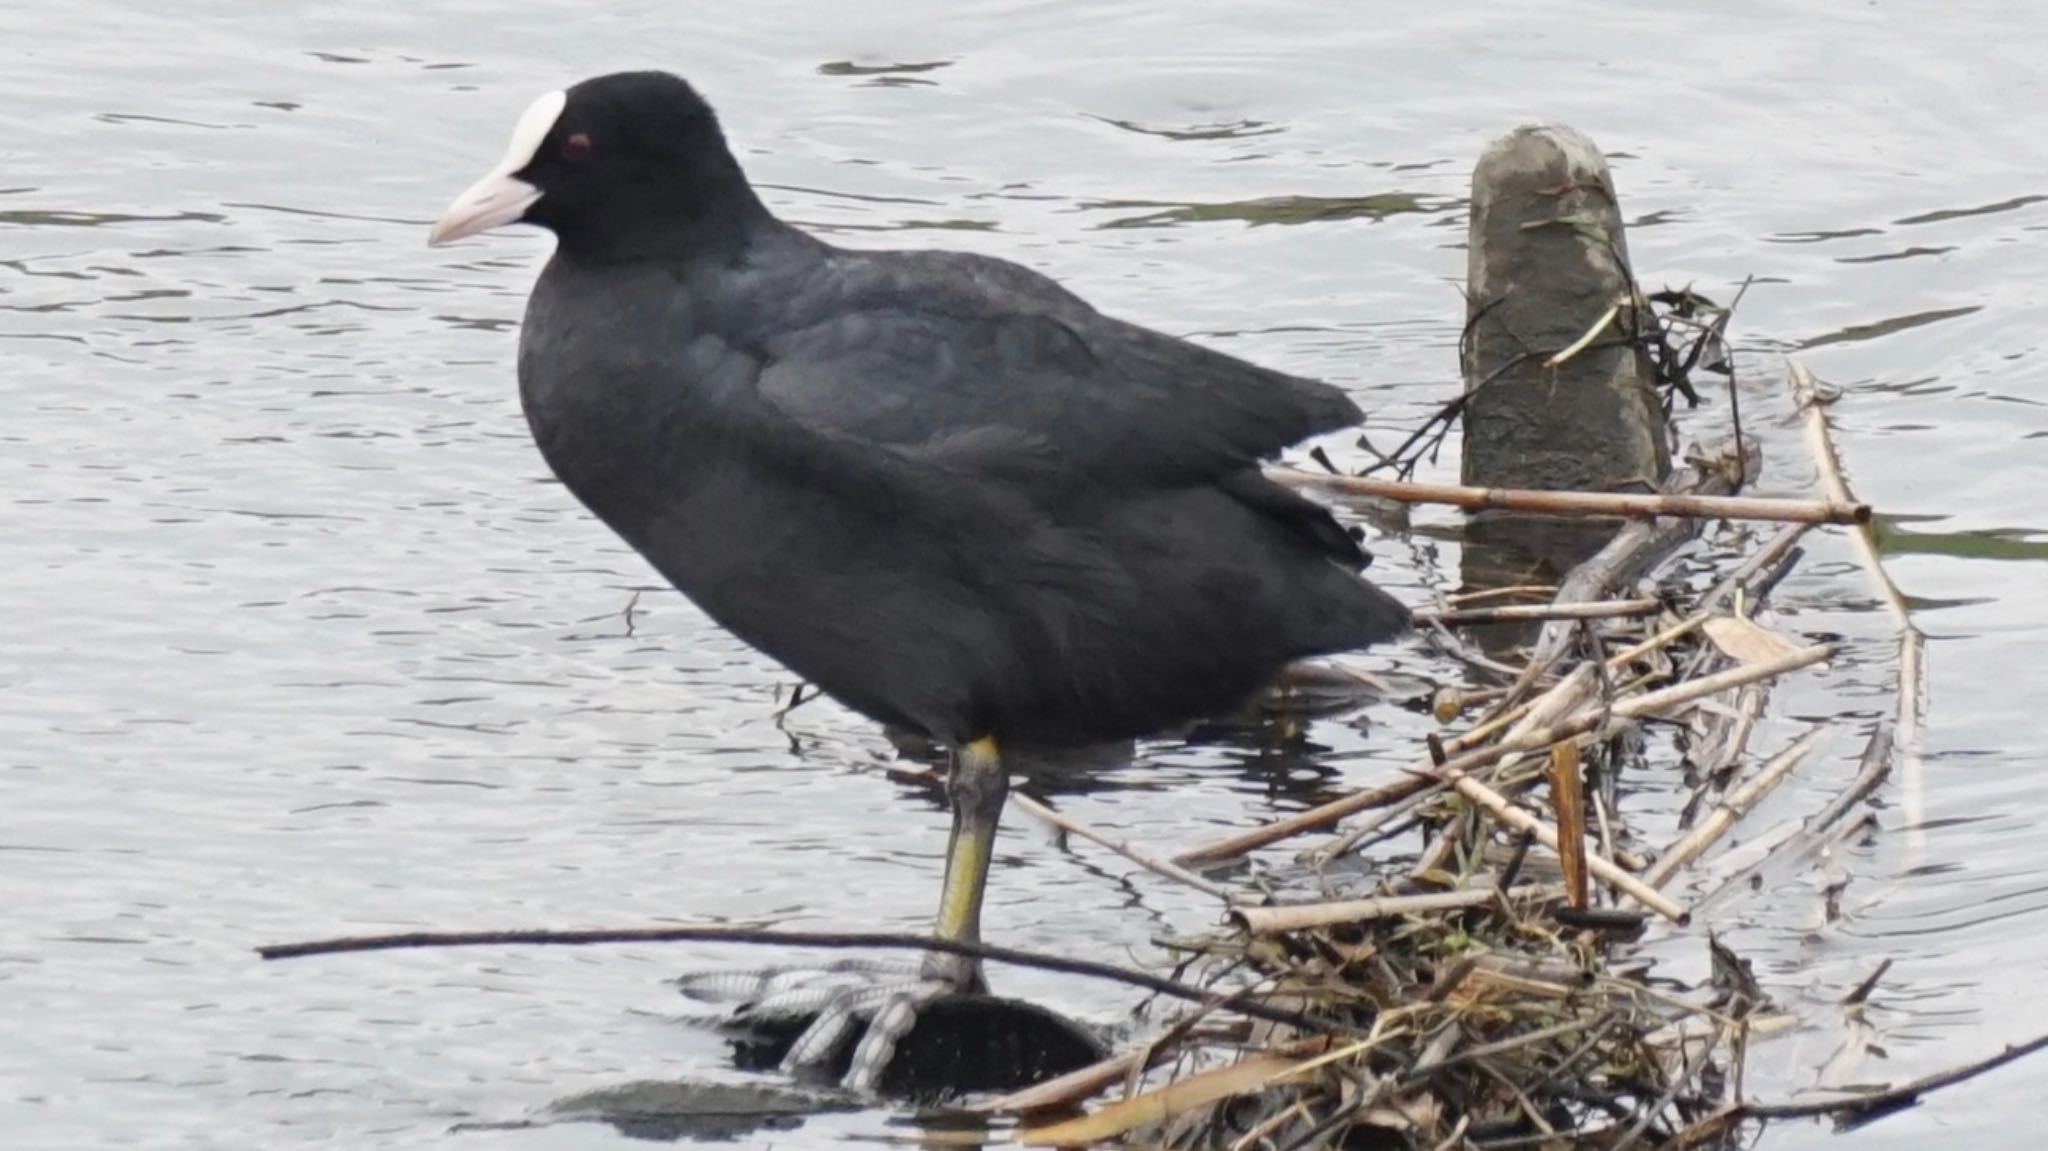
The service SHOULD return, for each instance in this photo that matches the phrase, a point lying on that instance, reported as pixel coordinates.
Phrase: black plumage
(937, 486)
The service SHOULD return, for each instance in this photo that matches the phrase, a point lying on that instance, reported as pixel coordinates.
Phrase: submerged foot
(895, 1028)
(825, 1005)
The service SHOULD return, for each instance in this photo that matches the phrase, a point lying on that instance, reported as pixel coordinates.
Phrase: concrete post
(1547, 259)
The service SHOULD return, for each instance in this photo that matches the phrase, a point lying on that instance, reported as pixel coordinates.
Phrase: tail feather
(1309, 521)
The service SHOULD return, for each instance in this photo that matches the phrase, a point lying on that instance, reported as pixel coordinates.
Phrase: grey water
(297, 638)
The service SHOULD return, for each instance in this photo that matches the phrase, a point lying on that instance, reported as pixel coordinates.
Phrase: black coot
(938, 486)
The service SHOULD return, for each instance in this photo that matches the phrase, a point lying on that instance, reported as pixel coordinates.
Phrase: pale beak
(501, 197)
(492, 202)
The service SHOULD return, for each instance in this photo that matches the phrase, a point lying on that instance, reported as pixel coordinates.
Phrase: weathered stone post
(1547, 260)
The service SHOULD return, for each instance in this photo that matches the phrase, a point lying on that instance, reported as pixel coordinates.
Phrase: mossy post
(1547, 260)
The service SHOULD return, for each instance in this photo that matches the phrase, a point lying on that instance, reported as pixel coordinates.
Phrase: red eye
(576, 147)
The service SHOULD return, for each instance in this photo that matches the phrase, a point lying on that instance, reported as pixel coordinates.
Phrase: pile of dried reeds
(1483, 995)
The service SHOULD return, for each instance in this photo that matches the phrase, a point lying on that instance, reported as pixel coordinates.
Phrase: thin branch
(1371, 827)
(1869, 984)
(1420, 1074)
(1859, 1109)
(1871, 769)
(832, 940)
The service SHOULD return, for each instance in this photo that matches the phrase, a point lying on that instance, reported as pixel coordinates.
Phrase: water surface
(297, 638)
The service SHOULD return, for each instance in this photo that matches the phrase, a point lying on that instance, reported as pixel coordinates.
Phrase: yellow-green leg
(978, 788)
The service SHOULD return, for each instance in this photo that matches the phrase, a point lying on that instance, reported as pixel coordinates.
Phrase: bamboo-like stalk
(1424, 774)
(1912, 644)
(1440, 852)
(1742, 675)
(1564, 697)
(1531, 970)
(1630, 552)
(1522, 613)
(1456, 771)
(1418, 779)
(1160, 867)
(1483, 595)
(1338, 846)
(1634, 505)
(1606, 869)
(1324, 815)
(1732, 807)
(1647, 704)
(1301, 916)
(1765, 560)
(1070, 1088)
(1662, 639)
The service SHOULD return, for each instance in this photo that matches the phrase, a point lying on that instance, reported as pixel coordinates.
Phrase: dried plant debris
(1681, 332)
(1492, 979)
(1485, 991)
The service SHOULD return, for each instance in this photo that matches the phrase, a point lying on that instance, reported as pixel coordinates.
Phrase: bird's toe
(890, 1022)
(883, 1014)
(785, 993)
(824, 1006)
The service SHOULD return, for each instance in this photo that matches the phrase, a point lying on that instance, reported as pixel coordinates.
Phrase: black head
(631, 165)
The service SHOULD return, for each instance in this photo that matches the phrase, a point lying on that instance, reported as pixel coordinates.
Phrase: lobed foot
(897, 1028)
(827, 1004)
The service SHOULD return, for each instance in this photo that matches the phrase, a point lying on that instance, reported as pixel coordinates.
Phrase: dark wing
(908, 581)
(981, 508)
(974, 584)
(906, 348)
